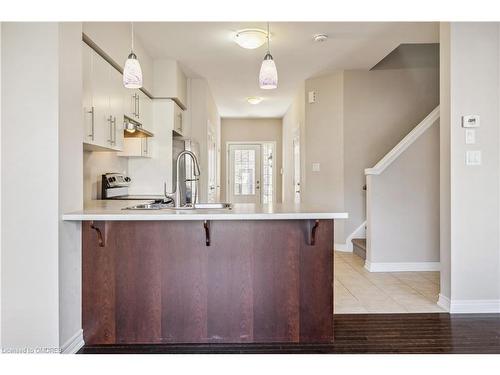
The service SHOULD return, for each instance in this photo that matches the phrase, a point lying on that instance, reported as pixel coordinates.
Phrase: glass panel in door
(244, 173)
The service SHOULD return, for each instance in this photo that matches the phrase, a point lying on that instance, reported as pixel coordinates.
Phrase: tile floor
(360, 291)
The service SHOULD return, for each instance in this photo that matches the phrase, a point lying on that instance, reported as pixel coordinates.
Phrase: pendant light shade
(132, 72)
(268, 76)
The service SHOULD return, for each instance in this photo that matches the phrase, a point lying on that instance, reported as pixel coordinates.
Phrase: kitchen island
(254, 274)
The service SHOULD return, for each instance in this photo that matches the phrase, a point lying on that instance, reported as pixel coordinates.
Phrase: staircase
(359, 247)
(402, 204)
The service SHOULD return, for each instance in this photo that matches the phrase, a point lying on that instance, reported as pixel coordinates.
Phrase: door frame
(261, 144)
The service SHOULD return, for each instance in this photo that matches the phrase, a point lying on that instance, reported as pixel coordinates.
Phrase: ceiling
(207, 49)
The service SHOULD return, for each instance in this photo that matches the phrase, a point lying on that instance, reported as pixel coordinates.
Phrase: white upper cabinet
(170, 81)
(138, 107)
(102, 103)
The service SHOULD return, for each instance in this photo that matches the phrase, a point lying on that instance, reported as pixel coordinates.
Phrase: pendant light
(268, 77)
(132, 72)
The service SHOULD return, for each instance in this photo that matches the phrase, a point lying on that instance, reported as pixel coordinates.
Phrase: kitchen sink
(169, 206)
(150, 206)
(211, 206)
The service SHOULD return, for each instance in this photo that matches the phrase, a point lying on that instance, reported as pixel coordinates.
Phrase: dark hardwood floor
(364, 333)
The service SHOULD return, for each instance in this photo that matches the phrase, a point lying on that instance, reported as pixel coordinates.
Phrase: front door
(244, 173)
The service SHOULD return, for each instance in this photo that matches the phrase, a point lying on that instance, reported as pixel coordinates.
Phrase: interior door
(296, 168)
(244, 173)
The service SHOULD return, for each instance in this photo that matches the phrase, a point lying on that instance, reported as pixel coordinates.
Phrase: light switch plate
(316, 167)
(471, 121)
(470, 136)
(473, 158)
(312, 97)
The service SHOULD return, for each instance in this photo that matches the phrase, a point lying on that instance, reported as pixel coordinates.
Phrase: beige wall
(324, 144)
(247, 129)
(475, 190)
(293, 123)
(403, 210)
(380, 108)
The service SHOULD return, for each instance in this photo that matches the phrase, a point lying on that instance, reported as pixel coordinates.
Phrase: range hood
(134, 129)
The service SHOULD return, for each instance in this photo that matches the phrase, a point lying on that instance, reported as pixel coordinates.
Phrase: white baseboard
(443, 302)
(360, 232)
(402, 266)
(343, 247)
(475, 306)
(74, 344)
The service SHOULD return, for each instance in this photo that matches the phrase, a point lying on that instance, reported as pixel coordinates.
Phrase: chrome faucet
(196, 172)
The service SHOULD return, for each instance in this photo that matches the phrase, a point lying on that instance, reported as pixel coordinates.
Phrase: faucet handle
(165, 193)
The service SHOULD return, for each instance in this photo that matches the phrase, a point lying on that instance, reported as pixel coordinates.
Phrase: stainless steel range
(115, 186)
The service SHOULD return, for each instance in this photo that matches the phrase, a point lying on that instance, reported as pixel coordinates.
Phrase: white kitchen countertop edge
(183, 216)
(109, 210)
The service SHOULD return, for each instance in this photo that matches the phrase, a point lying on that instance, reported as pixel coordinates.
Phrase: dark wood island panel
(259, 281)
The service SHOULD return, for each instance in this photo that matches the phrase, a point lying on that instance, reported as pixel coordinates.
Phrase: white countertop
(112, 210)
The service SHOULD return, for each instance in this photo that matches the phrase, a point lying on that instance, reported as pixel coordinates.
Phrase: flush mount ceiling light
(268, 76)
(250, 38)
(132, 72)
(254, 99)
(320, 38)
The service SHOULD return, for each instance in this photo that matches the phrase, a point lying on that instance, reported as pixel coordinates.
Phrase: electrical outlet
(315, 167)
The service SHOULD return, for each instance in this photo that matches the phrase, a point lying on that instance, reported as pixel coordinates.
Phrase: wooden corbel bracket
(312, 225)
(100, 228)
(206, 225)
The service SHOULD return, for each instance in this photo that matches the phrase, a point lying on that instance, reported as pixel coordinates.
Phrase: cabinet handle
(138, 107)
(146, 147)
(110, 120)
(92, 127)
(114, 130)
(180, 122)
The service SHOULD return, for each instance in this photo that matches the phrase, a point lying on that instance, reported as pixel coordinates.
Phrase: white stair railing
(411, 137)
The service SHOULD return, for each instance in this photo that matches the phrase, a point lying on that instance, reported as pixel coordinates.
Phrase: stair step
(359, 247)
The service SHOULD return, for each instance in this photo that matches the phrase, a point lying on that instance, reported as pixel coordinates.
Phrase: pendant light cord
(268, 37)
(132, 29)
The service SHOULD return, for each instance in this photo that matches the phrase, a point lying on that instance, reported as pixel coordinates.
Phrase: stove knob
(127, 179)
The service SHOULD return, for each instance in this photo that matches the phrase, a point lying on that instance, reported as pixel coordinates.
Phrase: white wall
(201, 112)
(149, 174)
(251, 129)
(444, 161)
(403, 209)
(475, 190)
(324, 144)
(41, 142)
(293, 123)
(95, 164)
(70, 179)
(115, 39)
(30, 215)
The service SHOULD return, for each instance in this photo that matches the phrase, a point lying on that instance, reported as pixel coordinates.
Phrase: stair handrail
(406, 142)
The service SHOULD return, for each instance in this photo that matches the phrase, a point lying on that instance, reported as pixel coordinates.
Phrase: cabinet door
(103, 117)
(116, 100)
(87, 105)
(178, 120)
(145, 111)
(147, 147)
(130, 103)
